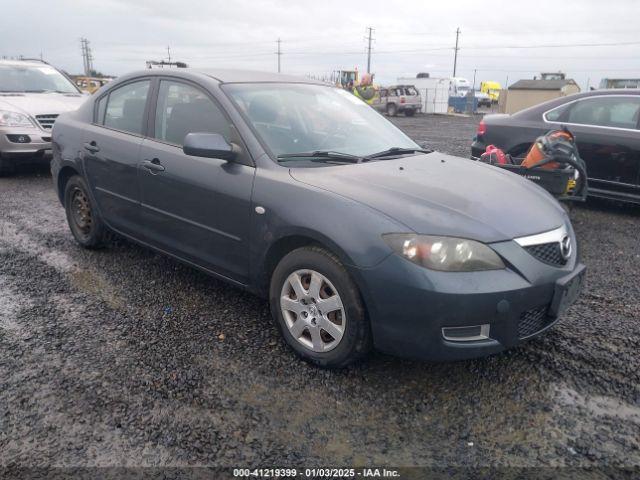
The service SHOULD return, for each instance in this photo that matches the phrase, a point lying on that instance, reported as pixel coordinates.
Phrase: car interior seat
(132, 115)
(197, 116)
(264, 113)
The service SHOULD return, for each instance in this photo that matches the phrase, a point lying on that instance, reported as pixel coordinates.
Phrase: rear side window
(610, 111)
(184, 109)
(125, 107)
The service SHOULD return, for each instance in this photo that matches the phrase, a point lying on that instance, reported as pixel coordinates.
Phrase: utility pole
(87, 58)
(474, 79)
(169, 53)
(455, 55)
(279, 52)
(369, 39)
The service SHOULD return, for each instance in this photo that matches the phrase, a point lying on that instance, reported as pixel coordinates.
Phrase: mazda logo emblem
(565, 247)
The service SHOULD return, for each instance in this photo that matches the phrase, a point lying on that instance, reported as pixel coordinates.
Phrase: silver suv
(398, 99)
(32, 95)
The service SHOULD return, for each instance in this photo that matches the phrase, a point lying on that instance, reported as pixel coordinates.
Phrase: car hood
(440, 194)
(42, 103)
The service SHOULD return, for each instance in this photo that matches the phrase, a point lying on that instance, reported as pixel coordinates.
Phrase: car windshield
(30, 78)
(296, 118)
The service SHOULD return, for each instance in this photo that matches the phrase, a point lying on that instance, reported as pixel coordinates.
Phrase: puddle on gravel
(598, 405)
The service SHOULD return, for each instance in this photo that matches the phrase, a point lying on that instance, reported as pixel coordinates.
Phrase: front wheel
(318, 309)
(85, 223)
(392, 110)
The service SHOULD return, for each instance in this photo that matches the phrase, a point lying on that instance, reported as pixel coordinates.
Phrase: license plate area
(567, 290)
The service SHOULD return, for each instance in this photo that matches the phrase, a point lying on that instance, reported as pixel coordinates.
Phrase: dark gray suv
(301, 192)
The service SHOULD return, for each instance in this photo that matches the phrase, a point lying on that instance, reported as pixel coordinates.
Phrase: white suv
(32, 95)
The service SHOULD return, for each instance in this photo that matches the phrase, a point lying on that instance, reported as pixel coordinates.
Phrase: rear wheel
(85, 223)
(318, 309)
(392, 110)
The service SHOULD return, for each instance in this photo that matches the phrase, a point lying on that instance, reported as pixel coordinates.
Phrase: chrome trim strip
(484, 333)
(545, 237)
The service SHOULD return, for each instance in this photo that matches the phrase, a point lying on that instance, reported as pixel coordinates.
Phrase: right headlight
(446, 254)
(14, 119)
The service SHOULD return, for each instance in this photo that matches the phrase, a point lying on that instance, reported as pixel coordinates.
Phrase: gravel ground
(125, 357)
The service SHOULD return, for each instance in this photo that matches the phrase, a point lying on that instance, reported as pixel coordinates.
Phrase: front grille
(46, 121)
(547, 252)
(532, 321)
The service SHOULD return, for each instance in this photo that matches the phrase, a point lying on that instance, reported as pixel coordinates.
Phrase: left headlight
(14, 119)
(446, 254)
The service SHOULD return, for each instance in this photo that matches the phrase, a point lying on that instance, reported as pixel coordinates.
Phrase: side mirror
(210, 145)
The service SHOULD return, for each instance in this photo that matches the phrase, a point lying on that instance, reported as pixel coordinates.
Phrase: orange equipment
(546, 147)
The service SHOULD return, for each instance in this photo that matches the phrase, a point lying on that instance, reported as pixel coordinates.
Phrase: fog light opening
(19, 138)
(472, 333)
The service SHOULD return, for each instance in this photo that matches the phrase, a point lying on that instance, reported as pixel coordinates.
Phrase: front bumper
(14, 146)
(409, 306)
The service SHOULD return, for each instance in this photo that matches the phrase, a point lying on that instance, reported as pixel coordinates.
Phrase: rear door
(194, 207)
(607, 135)
(111, 148)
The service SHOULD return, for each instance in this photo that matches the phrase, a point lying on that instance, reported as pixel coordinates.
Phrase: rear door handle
(154, 165)
(92, 147)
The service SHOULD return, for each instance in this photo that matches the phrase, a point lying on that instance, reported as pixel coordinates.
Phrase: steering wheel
(333, 132)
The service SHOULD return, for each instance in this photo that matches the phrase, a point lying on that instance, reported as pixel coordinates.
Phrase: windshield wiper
(396, 151)
(45, 91)
(321, 154)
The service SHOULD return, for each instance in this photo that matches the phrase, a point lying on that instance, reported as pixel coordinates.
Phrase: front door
(110, 154)
(194, 207)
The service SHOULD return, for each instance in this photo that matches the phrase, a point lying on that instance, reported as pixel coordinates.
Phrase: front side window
(609, 111)
(34, 79)
(294, 118)
(184, 109)
(125, 107)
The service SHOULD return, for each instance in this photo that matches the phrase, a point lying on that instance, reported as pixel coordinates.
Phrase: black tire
(409, 112)
(392, 109)
(356, 341)
(83, 219)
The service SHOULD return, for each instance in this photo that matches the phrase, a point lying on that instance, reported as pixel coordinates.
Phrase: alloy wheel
(312, 310)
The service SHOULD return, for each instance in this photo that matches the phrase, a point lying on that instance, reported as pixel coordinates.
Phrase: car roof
(24, 63)
(227, 75)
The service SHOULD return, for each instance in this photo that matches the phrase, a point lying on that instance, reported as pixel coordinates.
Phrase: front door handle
(154, 165)
(92, 147)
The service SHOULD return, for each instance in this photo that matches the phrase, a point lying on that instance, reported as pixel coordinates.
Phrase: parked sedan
(300, 192)
(605, 124)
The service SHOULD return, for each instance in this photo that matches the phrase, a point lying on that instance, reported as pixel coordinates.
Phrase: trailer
(433, 91)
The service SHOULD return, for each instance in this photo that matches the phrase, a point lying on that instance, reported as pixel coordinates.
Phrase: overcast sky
(319, 36)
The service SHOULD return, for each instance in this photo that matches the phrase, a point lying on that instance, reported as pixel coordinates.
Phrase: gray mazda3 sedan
(300, 192)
